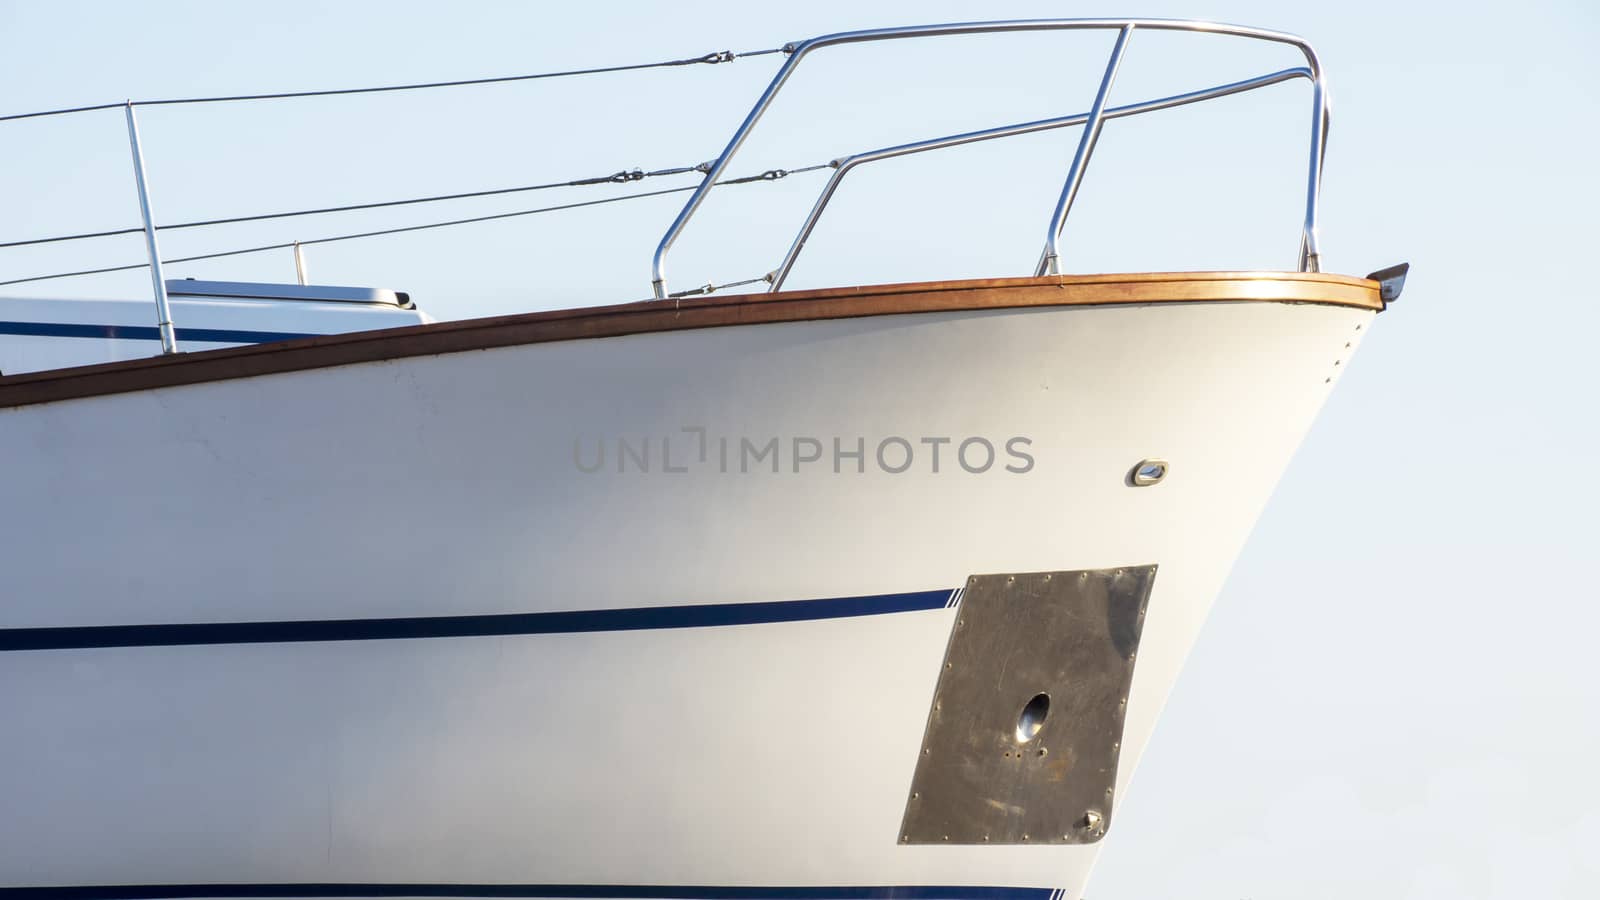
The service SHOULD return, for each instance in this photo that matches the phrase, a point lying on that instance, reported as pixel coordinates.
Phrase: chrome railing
(1050, 257)
(169, 335)
(1093, 120)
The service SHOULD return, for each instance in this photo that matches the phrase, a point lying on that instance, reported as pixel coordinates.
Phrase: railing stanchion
(1310, 253)
(1050, 263)
(169, 338)
(300, 265)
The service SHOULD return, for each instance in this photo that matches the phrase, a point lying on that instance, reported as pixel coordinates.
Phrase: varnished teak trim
(710, 312)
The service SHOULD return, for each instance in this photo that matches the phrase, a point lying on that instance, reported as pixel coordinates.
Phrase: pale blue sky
(1396, 692)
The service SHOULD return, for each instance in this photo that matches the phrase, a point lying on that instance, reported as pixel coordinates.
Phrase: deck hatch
(1023, 736)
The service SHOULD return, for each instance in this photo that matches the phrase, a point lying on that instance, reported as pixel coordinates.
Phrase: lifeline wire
(622, 177)
(720, 56)
(709, 288)
(769, 175)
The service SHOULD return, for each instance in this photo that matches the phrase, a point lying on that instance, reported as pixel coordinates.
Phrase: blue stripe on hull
(146, 333)
(574, 891)
(413, 627)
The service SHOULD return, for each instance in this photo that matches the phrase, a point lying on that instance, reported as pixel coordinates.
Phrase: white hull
(737, 757)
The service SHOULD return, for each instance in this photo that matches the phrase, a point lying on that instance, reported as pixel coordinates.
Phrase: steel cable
(721, 56)
(623, 177)
(767, 176)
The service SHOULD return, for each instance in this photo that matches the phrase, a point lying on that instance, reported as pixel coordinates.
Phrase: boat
(854, 592)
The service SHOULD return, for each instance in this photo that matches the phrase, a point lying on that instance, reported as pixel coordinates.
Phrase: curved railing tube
(1049, 263)
(797, 52)
(844, 165)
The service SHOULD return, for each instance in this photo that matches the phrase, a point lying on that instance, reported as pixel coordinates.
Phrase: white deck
(38, 334)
